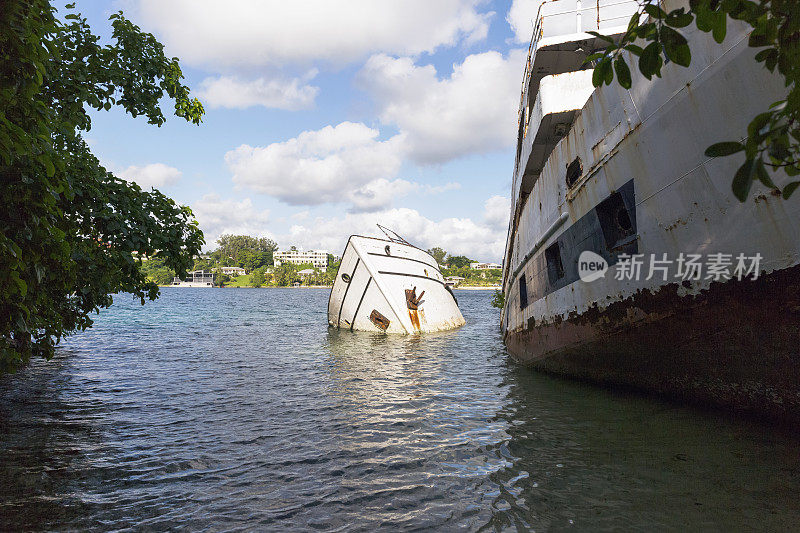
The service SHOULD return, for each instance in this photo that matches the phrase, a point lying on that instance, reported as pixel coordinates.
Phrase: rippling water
(239, 409)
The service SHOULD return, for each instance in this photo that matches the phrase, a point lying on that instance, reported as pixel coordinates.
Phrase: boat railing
(569, 17)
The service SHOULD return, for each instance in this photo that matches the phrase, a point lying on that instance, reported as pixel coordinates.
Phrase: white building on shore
(196, 278)
(234, 271)
(299, 257)
(485, 266)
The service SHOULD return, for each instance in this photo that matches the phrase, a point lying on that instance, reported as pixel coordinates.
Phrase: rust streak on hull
(735, 345)
(412, 314)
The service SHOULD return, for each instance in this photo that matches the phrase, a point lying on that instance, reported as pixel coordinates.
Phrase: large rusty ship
(629, 261)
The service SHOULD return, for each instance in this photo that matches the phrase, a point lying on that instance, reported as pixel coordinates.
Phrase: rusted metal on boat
(735, 344)
(412, 300)
(380, 321)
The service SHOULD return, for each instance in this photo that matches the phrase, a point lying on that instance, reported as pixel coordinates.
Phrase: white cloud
(232, 92)
(152, 175)
(497, 211)
(333, 164)
(258, 33)
(472, 111)
(217, 216)
(379, 193)
(520, 17)
(459, 236)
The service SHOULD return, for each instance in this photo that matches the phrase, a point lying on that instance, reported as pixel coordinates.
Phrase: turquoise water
(239, 409)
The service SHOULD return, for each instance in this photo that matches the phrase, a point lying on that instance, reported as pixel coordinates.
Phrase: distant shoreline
(465, 288)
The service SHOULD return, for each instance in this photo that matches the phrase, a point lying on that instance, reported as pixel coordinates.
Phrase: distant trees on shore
(253, 254)
(459, 265)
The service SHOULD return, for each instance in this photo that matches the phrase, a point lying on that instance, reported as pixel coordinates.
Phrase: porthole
(574, 171)
(387, 250)
(346, 278)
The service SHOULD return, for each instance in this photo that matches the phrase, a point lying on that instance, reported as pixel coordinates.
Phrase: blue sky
(325, 117)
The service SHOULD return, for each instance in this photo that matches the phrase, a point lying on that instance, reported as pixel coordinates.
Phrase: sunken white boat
(622, 173)
(391, 286)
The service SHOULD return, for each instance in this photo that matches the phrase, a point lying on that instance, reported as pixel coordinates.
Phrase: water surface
(239, 409)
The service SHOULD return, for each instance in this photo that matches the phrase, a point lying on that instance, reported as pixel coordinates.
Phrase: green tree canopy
(438, 254)
(458, 261)
(244, 251)
(231, 245)
(68, 227)
(257, 279)
(285, 275)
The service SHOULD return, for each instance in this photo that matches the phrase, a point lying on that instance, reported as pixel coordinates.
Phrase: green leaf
(655, 11)
(650, 61)
(48, 165)
(789, 189)
(634, 21)
(743, 180)
(758, 39)
(676, 47)
(634, 49)
(609, 73)
(719, 28)
(724, 148)
(599, 74)
(623, 72)
(760, 173)
(592, 57)
(679, 19)
(758, 123)
(704, 16)
(601, 36)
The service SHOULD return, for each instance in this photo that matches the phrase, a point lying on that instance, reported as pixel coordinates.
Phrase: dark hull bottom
(736, 345)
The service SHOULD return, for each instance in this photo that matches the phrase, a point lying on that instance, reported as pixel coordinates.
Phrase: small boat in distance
(388, 285)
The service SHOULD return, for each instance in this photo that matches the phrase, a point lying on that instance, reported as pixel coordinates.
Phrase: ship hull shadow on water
(623, 173)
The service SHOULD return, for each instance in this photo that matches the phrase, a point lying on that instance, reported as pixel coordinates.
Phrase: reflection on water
(582, 456)
(239, 409)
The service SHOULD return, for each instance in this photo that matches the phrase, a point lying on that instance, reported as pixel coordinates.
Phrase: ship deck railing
(568, 20)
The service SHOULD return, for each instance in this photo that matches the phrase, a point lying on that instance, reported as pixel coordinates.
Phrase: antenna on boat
(397, 238)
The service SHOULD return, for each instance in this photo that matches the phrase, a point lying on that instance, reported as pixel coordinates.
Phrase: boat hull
(730, 342)
(735, 344)
(389, 287)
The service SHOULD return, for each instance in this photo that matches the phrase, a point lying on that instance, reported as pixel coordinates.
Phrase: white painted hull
(370, 291)
(732, 343)
(654, 135)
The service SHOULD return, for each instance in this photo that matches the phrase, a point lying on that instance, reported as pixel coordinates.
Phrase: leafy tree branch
(71, 232)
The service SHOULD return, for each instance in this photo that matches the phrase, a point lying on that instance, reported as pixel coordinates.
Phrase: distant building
(234, 271)
(298, 257)
(453, 281)
(196, 278)
(485, 266)
(306, 272)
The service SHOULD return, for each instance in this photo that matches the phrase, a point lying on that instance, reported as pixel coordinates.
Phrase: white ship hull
(386, 286)
(641, 156)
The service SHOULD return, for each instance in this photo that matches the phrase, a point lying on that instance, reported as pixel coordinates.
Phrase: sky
(325, 117)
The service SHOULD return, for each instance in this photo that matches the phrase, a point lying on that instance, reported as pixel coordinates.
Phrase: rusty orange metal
(380, 321)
